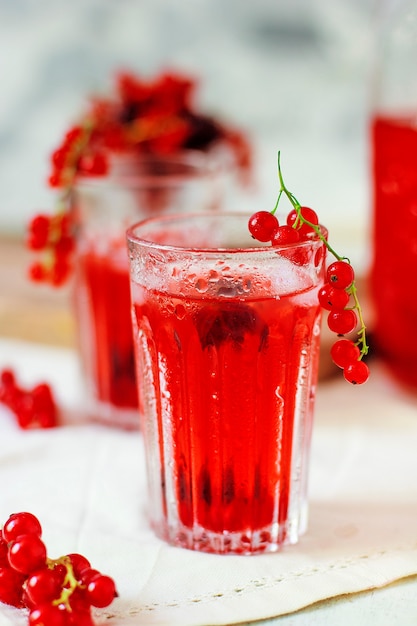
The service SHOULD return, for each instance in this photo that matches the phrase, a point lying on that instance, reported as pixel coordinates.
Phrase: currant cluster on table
(57, 592)
(34, 407)
(337, 293)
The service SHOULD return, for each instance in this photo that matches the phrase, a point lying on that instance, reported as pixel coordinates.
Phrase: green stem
(361, 341)
(70, 583)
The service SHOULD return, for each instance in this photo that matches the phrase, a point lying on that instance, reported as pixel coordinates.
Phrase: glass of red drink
(226, 334)
(394, 267)
(137, 187)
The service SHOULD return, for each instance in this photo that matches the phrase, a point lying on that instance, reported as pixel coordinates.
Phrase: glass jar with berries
(144, 151)
(393, 148)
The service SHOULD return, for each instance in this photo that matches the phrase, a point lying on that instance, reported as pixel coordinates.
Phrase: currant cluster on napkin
(57, 592)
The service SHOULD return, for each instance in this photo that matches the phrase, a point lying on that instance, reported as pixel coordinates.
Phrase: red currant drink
(395, 244)
(102, 285)
(138, 187)
(227, 344)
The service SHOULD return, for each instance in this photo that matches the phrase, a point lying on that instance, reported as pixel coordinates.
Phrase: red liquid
(103, 302)
(395, 244)
(226, 384)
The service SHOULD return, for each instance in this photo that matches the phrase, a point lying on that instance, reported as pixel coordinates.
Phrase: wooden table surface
(28, 311)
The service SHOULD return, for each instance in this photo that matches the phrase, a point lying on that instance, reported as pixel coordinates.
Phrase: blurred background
(294, 74)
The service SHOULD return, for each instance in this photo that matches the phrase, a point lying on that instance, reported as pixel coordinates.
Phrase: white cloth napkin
(86, 484)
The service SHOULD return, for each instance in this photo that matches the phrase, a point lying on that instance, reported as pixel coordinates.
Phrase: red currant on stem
(47, 615)
(344, 352)
(336, 293)
(303, 219)
(356, 372)
(101, 591)
(262, 225)
(342, 321)
(331, 298)
(340, 274)
(27, 553)
(11, 586)
(43, 586)
(21, 524)
(57, 592)
(285, 235)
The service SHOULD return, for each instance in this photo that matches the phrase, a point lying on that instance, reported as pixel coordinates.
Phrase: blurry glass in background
(394, 152)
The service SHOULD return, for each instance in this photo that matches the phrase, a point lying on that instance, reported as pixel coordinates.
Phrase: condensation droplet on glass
(213, 275)
(246, 284)
(201, 285)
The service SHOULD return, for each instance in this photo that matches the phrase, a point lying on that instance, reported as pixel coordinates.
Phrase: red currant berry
(262, 225)
(72, 135)
(38, 232)
(7, 378)
(11, 586)
(47, 615)
(340, 274)
(60, 272)
(307, 214)
(101, 591)
(21, 524)
(37, 272)
(27, 554)
(42, 396)
(4, 562)
(64, 246)
(93, 164)
(59, 157)
(331, 298)
(88, 574)
(342, 321)
(79, 563)
(356, 373)
(55, 180)
(80, 617)
(285, 235)
(24, 409)
(43, 586)
(344, 352)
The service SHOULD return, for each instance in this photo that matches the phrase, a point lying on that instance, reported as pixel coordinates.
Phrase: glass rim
(261, 248)
(198, 163)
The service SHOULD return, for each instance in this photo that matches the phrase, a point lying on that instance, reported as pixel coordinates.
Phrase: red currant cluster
(75, 154)
(57, 592)
(51, 234)
(154, 116)
(264, 226)
(338, 295)
(34, 408)
(335, 296)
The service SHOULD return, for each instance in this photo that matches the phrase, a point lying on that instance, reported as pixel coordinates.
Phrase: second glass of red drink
(137, 187)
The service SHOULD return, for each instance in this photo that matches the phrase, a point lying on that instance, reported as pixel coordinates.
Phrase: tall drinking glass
(103, 208)
(226, 335)
(393, 151)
